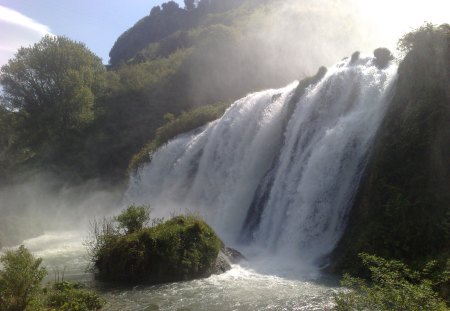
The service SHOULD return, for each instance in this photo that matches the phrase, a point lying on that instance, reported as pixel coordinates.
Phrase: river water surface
(254, 285)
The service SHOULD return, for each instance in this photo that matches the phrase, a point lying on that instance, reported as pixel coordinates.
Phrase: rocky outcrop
(226, 257)
(355, 57)
(382, 57)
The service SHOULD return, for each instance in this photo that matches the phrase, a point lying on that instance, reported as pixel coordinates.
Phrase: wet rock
(233, 255)
(227, 256)
(222, 264)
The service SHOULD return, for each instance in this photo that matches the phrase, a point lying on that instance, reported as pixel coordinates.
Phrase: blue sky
(97, 23)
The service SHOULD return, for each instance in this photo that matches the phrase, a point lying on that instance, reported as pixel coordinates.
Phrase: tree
(52, 87)
(170, 6)
(394, 286)
(189, 4)
(133, 218)
(425, 37)
(20, 279)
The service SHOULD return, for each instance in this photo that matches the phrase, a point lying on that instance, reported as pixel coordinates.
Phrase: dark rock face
(234, 256)
(382, 57)
(355, 57)
(227, 256)
(222, 264)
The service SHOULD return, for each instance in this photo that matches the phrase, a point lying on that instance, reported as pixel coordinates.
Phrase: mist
(282, 41)
(277, 43)
(46, 203)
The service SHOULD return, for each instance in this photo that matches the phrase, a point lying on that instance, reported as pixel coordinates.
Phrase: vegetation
(133, 219)
(394, 287)
(49, 91)
(402, 210)
(173, 60)
(163, 21)
(185, 123)
(20, 280)
(20, 287)
(66, 296)
(182, 248)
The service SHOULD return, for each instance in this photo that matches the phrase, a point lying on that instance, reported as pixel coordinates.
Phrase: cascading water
(282, 181)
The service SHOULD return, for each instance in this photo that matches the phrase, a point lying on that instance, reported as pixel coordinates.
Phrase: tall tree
(189, 4)
(51, 87)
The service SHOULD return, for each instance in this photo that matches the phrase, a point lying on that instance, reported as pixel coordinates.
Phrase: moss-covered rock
(402, 210)
(182, 248)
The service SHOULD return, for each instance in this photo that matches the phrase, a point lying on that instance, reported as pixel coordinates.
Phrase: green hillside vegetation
(393, 287)
(402, 209)
(182, 248)
(173, 60)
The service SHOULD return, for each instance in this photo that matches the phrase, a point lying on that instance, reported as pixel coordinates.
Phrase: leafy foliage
(420, 38)
(66, 296)
(182, 248)
(133, 219)
(50, 90)
(20, 287)
(173, 60)
(20, 279)
(394, 286)
(163, 21)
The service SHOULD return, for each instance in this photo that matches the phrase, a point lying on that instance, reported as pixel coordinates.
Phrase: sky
(98, 23)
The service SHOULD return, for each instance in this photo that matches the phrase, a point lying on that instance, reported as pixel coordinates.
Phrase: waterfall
(281, 179)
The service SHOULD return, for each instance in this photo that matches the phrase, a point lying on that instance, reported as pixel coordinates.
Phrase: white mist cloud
(392, 19)
(17, 30)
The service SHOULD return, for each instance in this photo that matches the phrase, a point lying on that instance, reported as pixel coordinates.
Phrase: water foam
(306, 166)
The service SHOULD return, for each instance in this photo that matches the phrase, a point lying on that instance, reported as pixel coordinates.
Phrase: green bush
(20, 287)
(20, 279)
(394, 286)
(66, 296)
(182, 248)
(133, 219)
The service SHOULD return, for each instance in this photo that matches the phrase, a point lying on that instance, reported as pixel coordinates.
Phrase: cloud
(17, 30)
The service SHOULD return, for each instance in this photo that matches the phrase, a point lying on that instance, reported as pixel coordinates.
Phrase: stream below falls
(257, 284)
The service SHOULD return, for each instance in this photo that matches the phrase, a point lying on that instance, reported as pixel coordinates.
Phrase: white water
(242, 288)
(308, 169)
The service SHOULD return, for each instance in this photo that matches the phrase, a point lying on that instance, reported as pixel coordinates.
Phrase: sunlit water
(258, 284)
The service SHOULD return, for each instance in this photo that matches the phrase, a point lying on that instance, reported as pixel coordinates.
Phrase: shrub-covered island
(126, 250)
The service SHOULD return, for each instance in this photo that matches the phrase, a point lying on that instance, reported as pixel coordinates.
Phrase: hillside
(170, 61)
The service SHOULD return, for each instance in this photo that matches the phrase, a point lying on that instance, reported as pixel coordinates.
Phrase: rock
(355, 57)
(382, 57)
(234, 256)
(222, 264)
(227, 256)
